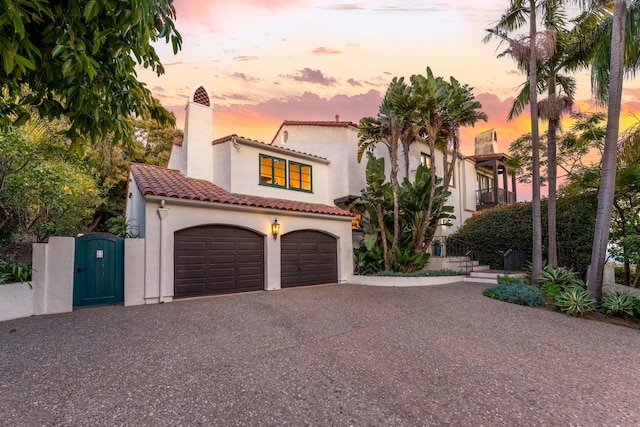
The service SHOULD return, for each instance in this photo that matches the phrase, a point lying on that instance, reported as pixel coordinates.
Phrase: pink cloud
(244, 77)
(354, 82)
(312, 76)
(326, 51)
(244, 58)
(207, 12)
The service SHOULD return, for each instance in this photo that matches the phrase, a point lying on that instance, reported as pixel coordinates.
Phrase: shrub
(620, 304)
(550, 290)
(421, 273)
(574, 301)
(512, 223)
(11, 272)
(510, 280)
(517, 293)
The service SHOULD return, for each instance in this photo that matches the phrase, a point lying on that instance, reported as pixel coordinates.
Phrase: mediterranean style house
(235, 214)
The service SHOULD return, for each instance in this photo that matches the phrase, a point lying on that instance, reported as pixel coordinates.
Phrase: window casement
(299, 176)
(452, 171)
(425, 159)
(273, 171)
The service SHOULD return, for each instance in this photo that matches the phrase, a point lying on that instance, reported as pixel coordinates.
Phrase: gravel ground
(323, 355)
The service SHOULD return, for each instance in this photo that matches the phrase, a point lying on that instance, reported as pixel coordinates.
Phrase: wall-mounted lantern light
(275, 228)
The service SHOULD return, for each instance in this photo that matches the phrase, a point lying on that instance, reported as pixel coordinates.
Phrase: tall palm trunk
(609, 157)
(535, 146)
(552, 169)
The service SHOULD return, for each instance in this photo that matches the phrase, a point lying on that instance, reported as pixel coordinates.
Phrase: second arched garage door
(216, 259)
(308, 258)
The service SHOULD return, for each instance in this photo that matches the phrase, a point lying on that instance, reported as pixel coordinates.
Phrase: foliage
(376, 202)
(119, 226)
(492, 232)
(79, 60)
(510, 280)
(620, 304)
(50, 191)
(434, 110)
(152, 145)
(550, 290)
(560, 276)
(11, 272)
(574, 301)
(517, 293)
(421, 273)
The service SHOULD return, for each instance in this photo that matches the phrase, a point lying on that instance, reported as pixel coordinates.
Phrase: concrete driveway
(323, 355)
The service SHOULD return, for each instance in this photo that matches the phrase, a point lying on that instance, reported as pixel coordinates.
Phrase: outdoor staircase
(455, 263)
(490, 276)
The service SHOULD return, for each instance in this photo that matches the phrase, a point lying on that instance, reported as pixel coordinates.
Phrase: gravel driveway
(324, 355)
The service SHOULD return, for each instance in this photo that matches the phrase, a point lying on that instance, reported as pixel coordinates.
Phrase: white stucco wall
(180, 215)
(337, 144)
(178, 159)
(222, 165)
(135, 210)
(198, 136)
(245, 174)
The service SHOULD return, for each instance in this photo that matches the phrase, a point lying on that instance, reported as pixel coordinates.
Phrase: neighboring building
(207, 219)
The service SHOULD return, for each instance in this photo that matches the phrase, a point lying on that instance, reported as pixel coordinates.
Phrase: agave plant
(575, 301)
(619, 304)
(560, 276)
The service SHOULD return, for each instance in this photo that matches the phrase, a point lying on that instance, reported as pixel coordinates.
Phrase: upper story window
(299, 176)
(272, 171)
(452, 171)
(425, 159)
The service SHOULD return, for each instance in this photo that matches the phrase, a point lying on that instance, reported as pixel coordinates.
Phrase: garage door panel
(308, 258)
(218, 259)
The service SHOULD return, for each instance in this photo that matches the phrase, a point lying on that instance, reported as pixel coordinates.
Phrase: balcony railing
(486, 197)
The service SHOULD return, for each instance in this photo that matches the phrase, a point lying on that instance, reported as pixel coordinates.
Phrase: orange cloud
(244, 58)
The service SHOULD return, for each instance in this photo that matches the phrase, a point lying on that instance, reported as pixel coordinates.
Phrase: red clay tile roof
(336, 124)
(258, 143)
(163, 182)
(481, 157)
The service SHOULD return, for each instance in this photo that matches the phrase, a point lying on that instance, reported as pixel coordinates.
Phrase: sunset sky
(265, 61)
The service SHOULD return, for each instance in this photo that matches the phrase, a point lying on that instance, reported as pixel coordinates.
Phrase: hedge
(491, 232)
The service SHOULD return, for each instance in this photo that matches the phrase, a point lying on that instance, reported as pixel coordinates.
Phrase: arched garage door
(308, 258)
(215, 259)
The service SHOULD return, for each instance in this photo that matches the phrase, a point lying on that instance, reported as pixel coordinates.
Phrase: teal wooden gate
(99, 270)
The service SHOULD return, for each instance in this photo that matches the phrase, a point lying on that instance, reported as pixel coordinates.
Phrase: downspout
(162, 214)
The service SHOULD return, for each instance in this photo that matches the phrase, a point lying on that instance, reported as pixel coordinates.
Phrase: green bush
(11, 272)
(575, 301)
(421, 273)
(510, 280)
(517, 293)
(492, 232)
(620, 304)
(550, 289)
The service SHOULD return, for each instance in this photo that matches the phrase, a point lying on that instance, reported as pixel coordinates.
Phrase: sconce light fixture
(275, 228)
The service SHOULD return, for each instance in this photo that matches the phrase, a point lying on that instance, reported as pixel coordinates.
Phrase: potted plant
(437, 247)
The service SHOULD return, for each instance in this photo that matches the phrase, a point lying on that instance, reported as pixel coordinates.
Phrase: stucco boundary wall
(393, 281)
(51, 288)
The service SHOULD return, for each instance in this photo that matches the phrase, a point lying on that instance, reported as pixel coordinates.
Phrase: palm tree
(443, 108)
(516, 16)
(609, 158)
(386, 129)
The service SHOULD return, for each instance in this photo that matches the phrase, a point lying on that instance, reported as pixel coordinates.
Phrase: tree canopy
(78, 58)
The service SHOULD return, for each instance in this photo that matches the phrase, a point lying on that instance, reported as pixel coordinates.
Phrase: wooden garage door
(218, 259)
(308, 258)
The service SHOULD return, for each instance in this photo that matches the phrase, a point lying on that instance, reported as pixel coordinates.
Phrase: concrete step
(481, 267)
(484, 276)
(480, 280)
